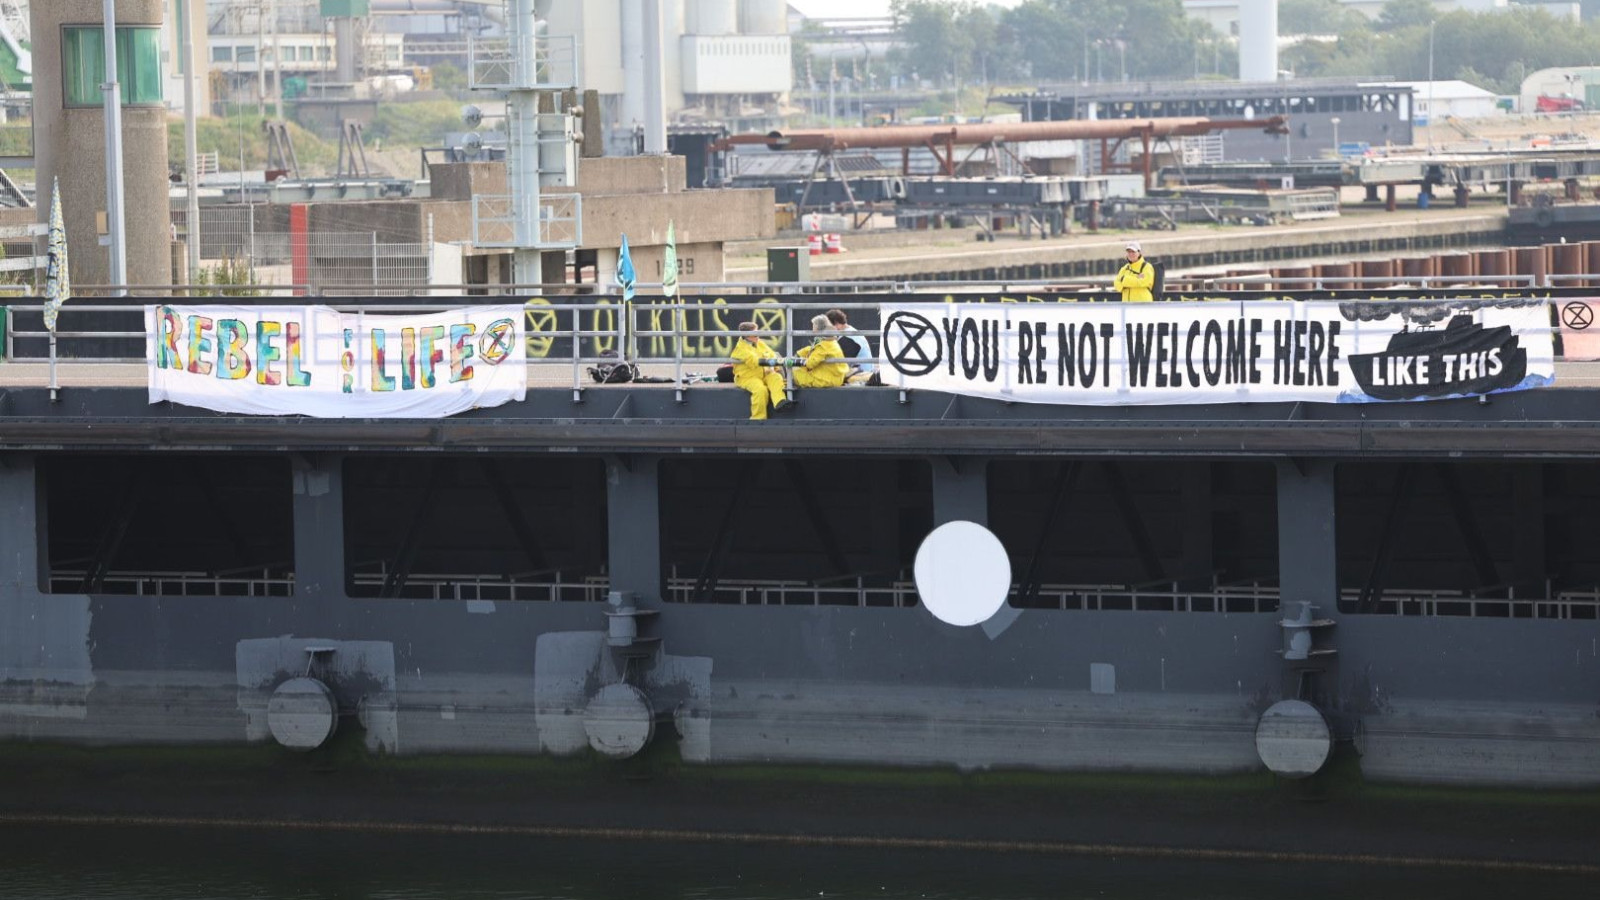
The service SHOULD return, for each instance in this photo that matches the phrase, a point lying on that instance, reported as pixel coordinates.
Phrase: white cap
(1134, 245)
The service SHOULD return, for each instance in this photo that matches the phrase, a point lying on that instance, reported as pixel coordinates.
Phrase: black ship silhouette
(1461, 337)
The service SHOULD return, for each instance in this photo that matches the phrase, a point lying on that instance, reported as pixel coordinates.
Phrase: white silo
(1258, 40)
(763, 17)
(713, 17)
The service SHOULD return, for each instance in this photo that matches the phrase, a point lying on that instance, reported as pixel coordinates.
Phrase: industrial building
(724, 61)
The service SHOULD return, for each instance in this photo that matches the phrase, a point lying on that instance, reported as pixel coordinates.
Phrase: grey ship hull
(1149, 676)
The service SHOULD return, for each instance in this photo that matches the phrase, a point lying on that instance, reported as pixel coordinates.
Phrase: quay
(956, 256)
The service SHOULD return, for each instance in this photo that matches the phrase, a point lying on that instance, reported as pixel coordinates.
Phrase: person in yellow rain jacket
(764, 383)
(822, 364)
(1137, 277)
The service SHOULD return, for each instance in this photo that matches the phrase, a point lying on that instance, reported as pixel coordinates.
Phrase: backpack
(1158, 286)
(614, 373)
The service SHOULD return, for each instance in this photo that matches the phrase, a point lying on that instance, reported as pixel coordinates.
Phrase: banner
(1238, 352)
(315, 361)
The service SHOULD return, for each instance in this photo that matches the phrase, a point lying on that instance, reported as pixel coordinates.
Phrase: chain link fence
(256, 239)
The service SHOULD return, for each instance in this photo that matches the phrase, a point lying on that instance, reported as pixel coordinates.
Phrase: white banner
(315, 361)
(1236, 352)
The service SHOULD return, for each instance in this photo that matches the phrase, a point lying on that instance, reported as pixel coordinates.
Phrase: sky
(828, 9)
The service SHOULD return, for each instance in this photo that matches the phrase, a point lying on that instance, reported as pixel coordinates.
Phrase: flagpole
(191, 144)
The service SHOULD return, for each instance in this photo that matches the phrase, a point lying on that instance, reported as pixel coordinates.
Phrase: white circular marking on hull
(302, 714)
(618, 721)
(963, 573)
(1292, 739)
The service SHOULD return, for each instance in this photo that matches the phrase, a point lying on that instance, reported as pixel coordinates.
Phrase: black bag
(614, 373)
(725, 373)
(1159, 286)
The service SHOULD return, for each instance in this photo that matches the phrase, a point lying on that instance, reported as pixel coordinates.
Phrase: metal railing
(176, 583)
(577, 335)
(559, 221)
(544, 587)
(492, 63)
(553, 587)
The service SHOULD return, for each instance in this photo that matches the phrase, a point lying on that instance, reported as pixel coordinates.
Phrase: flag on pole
(57, 280)
(669, 268)
(626, 276)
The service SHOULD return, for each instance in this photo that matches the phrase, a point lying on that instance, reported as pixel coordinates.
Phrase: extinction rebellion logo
(919, 349)
(495, 345)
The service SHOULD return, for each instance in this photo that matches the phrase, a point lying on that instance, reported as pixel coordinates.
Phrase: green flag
(669, 268)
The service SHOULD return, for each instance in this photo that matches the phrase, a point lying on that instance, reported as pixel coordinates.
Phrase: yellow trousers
(823, 376)
(768, 389)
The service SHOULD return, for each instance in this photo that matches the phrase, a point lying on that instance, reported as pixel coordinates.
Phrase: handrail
(572, 334)
(1215, 598)
(652, 289)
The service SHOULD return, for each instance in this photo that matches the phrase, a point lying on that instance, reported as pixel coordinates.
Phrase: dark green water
(84, 862)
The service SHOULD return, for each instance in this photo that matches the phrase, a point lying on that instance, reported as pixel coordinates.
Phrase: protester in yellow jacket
(1137, 277)
(823, 363)
(764, 382)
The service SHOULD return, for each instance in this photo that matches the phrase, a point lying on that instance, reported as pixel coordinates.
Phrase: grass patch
(226, 137)
(422, 123)
(16, 140)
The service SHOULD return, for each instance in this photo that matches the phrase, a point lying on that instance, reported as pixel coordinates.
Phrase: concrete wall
(632, 174)
(70, 143)
(459, 181)
(635, 195)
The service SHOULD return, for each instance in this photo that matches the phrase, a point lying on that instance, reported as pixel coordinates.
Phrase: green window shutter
(83, 61)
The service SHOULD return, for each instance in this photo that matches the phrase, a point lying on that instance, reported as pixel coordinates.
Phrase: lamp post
(1430, 87)
(111, 93)
(1335, 121)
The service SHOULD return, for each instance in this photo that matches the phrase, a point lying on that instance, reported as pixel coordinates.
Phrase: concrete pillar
(23, 554)
(319, 568)
(633, 506)
(960, 490)
(71, 143)
(44, 638)
(1308, 554)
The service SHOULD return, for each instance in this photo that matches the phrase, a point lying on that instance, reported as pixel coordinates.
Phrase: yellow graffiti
(667, 327)
(773, 322)
(603, 322)
(541, 327)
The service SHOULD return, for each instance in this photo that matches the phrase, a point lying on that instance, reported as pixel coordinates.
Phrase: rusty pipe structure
(948, 137)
